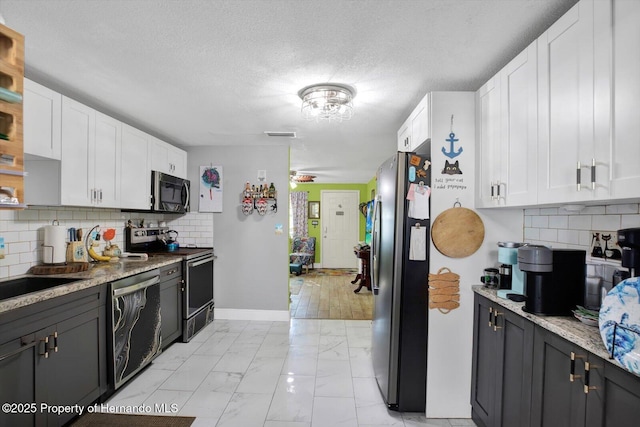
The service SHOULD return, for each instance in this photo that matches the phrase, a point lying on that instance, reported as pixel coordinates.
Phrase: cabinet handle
(493, 188)
(593, 174)
(587, 378)
(490, 316)
(572, 373)
(45, 346)
(55, 342)
(578, 178)
(100, 192)
(495, 321)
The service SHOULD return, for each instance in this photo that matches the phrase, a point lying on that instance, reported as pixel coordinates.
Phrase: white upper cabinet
(518, 181)
(488, 142)
(416, 129)
(507, 134)
(617, 37)
(571, 166)
(78, 157)
(167, 158)
(90, 168)
(42, 110)
(135, 171)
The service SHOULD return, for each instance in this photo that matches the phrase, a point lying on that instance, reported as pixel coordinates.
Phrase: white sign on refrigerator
(210, 189)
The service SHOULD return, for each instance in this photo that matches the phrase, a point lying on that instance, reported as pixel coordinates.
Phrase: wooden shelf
(11, 118)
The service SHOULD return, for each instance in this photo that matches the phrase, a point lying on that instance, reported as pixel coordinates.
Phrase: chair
(303, 252)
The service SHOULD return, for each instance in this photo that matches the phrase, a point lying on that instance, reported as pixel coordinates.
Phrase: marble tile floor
(302, 373)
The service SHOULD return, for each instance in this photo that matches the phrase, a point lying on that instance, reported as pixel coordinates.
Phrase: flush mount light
(327, 101)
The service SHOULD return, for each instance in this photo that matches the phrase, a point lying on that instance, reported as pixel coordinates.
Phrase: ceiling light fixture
(327, 101)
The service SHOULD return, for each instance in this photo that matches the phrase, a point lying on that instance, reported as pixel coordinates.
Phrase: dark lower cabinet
(559, 397)
(501, 370)
(525, 375)
(53, 353)
(171, 290)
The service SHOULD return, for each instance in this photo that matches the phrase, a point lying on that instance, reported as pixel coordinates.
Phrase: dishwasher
(136, 326)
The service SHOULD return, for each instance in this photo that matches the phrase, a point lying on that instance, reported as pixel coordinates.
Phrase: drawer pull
(495, 320)
(572, 373)
(587, 377)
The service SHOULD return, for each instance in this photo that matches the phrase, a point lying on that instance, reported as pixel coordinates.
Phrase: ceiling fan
(294, 177)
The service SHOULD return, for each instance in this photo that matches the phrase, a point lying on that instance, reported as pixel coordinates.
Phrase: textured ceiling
(221, 72)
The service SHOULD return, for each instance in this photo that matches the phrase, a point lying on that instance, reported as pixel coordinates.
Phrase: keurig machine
(629, 241)
(554, 279)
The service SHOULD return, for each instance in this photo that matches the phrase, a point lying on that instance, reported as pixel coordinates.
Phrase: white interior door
(340, 228)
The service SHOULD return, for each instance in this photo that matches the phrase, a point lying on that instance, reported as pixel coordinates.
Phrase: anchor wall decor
(452, 153)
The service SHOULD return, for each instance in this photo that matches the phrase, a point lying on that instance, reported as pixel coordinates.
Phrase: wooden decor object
(457, 232)
(11, 134)
(70, 267)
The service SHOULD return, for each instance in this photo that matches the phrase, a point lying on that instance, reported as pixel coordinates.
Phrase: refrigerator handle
(374, 245)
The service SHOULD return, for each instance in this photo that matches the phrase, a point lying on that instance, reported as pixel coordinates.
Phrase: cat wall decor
(451, 168)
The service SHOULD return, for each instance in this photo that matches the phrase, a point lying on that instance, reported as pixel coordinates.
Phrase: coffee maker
(511, 279)
(554, 279)
(629, 241)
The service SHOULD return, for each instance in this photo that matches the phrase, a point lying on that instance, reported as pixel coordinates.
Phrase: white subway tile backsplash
(532, 211)
(629, 221)
(531, 234)
(580, 222)
(549, 234)
(569, 236)
(622, 209)
(539, 221)
(548, 211)
(559, 221)
(24, 233)
(605, 222)
(593, 210)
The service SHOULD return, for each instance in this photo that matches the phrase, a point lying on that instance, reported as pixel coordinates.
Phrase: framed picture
(314, 210)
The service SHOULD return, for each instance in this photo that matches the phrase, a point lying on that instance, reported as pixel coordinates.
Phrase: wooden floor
(320, 296)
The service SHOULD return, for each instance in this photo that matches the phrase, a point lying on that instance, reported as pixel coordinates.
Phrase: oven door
(198, 284)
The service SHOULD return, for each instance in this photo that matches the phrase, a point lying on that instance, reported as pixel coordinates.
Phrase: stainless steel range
(197, 263)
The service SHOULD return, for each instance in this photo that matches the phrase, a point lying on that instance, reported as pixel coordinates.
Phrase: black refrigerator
(400, 268)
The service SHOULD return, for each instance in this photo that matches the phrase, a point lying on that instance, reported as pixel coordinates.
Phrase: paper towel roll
(55, 246)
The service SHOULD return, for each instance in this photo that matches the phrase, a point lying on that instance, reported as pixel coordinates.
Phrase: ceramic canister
(55, 245)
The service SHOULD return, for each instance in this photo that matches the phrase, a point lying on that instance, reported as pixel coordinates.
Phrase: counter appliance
(629, 241)
(197, 267)
(554, 279)
(169, 194)
(400, 268)
(508, 255)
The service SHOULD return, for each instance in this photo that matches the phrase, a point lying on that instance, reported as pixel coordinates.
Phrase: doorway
(340, 228)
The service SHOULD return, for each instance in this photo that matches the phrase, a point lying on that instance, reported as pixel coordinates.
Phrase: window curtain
(299, 214)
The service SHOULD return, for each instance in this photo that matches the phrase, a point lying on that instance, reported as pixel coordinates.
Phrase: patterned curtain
(299, 213)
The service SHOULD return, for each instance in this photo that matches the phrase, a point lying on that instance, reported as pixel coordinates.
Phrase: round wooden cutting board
(457, 232)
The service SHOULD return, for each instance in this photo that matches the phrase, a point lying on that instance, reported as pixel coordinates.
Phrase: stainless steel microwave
(169, 193)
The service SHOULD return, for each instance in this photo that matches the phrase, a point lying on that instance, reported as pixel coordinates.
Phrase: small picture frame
(314, 210)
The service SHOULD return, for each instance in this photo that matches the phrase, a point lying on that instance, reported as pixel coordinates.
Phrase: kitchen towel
(55, 245)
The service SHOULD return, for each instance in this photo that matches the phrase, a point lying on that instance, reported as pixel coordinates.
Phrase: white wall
(251, 273)
(451, 335)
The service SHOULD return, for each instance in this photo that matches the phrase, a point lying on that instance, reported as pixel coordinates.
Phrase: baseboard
(242, 314)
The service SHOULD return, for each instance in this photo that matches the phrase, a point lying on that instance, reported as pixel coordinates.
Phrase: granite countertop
(97, 274)
(569, 328)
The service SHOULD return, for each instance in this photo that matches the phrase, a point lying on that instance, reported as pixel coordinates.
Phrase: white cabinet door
(519, 144)
(419, 118)
(566, 107)
(78, 145)
(42, 111)
(617, 25)
(135, 186)
(488, 144)
(106, 171)
(178, 162)
(168, 159)
(404, 136)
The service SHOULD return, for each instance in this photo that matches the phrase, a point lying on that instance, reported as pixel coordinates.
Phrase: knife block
(76, 252)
